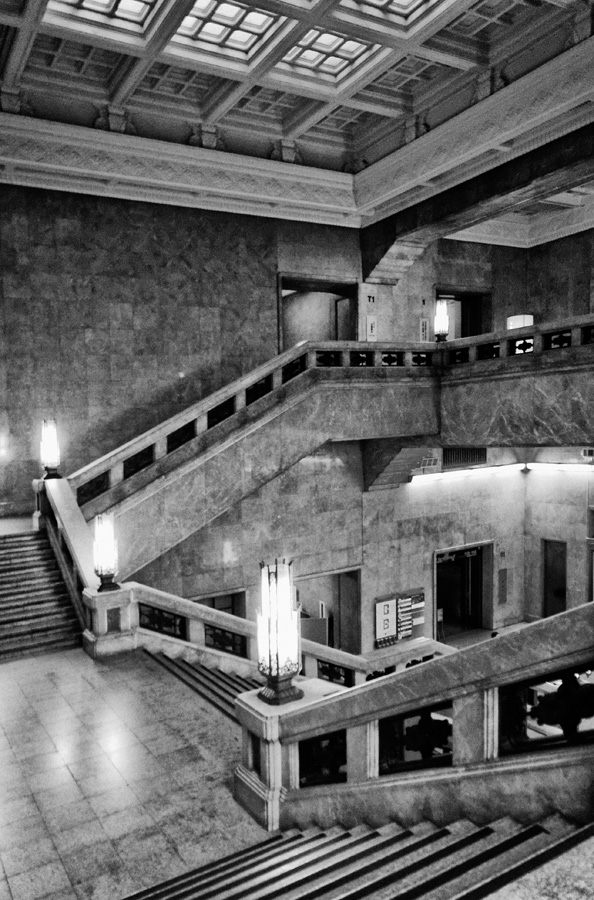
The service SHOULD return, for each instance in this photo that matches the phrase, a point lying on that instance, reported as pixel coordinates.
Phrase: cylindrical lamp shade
(49, 447)
(441, 322)
(278, 634)
(105, 551)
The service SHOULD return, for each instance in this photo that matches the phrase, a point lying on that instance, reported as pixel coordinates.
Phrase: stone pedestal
(113, 620)
(260, 786)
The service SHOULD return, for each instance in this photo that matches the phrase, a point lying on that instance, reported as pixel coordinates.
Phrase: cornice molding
(512, 118)
(532, 231)
(51, 155)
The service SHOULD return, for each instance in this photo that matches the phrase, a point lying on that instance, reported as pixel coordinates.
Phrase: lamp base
(279, 690)
(107, 583)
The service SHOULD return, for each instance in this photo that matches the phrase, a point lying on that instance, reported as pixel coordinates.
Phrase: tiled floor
(113, 776)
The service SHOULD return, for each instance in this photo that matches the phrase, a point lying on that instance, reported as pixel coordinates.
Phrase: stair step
(435, 875)
(292, 868)
(207, 686)
(33, 601)
(249, 857)
(235, 684)
(367, 873)
(561, 837)
(24, 622)
(42, 644)
(24, 588)
(328, 873)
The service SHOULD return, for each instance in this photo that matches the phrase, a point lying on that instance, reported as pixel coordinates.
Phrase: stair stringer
(169, 509)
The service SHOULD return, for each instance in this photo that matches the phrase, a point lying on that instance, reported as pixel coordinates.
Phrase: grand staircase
(36, 614)
(219, 688)
(462, 861)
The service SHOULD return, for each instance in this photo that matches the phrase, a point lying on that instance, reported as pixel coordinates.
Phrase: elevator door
(459, 597)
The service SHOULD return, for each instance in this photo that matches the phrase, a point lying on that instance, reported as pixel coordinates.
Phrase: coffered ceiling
(345, 89)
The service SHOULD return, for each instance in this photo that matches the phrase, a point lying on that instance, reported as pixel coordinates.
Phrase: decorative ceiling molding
(66, 157)
(505, 121)
(525, 232)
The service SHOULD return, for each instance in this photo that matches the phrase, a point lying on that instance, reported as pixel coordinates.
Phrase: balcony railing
(186, 432)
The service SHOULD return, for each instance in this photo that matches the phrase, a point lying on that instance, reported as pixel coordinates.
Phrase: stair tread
(320, 877)
(483, 872)
(373, 874)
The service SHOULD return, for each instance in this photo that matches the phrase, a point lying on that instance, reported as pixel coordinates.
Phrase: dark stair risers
(36, 615)
(219, 688)
(459, 862)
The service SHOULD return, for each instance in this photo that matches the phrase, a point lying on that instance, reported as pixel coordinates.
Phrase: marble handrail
(140, 453)
(538, 648)
(133, 593)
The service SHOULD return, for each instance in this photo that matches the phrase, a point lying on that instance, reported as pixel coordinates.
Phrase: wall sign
(396, 615)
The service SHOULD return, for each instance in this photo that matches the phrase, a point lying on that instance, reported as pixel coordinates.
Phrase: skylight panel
(232, 26)
(326, 52)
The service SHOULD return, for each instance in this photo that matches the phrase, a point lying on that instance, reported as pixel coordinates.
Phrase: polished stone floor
(113, 776)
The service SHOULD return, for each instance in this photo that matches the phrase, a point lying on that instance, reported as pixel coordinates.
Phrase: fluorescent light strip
(532, 466)
(560, 467)
(464, 473)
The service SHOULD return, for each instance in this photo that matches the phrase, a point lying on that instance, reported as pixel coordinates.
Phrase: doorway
(316, 310)
(331, 609)
(460, 601)
(469, 312)
(554, 577)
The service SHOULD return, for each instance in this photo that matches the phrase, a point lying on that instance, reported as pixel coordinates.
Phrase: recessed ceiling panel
(226, 29)
(63, 57)
(326, 55)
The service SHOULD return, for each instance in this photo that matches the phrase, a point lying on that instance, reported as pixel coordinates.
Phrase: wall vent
(463, 457)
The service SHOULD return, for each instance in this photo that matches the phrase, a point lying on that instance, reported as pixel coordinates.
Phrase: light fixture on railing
(441, 321)
(278, 634)
(105, 552)
(50, 449)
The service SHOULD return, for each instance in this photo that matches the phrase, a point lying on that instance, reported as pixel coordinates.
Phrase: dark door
(459, 591)
(349, 615)
(555, 577)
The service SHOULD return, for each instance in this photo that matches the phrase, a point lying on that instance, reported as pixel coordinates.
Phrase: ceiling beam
(565, 163)
(126, 79)
(22, 44)
(290, 35)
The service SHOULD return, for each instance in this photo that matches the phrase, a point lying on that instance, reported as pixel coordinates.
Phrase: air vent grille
(462, 457)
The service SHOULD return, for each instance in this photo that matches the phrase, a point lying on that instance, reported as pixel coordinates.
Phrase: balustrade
(140, 454)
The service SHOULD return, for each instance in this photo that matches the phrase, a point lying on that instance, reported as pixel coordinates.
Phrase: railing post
(311, 359)
(116, 474)
(363, 752)
(473, 729)
(472, 353)
(202, 423)
(277, 378)
(537, 343)
(161, 447)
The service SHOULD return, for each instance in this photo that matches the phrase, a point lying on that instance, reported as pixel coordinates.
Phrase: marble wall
(553, 281)
(316, 514)
(116, 315)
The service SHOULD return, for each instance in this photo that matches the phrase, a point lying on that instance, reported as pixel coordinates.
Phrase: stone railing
(139, 616)
(171, 443)
(462, 717)
(70, 538)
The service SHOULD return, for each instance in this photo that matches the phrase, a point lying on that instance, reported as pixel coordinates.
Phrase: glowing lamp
(105, 552)
(441, 322)
(278, 634)
(50, 449)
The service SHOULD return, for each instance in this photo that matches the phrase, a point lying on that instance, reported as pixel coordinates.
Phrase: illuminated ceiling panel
(134, 11)
(323, 53)
(220, 27)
